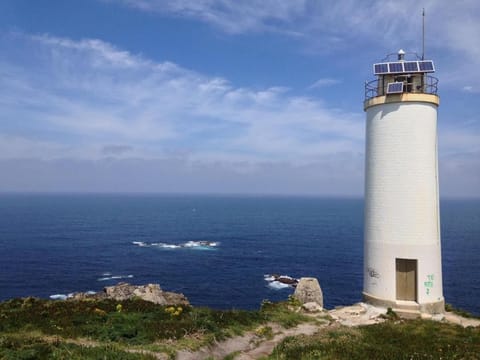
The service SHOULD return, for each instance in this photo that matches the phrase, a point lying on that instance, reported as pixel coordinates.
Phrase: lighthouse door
(406, 279)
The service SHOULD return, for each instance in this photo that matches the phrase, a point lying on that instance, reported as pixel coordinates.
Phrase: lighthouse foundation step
(408, 314)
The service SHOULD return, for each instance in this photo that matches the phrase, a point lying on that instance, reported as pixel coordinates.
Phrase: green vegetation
(416, 339)
(461, 312)
(32, 328)
(32, 347)
(88, 329)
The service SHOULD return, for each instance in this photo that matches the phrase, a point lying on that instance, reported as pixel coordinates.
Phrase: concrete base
(437, 307)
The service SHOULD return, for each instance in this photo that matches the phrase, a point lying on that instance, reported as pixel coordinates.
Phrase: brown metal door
(406, 279)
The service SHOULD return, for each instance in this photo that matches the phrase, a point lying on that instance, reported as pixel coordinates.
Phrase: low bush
(416, 339)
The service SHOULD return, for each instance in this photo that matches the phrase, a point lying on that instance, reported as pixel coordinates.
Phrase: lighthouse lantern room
(402, 250)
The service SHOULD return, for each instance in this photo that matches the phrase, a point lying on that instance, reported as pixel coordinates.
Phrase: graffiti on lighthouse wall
(428, 284)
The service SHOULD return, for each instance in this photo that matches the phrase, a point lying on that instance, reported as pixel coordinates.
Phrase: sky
(216, 96)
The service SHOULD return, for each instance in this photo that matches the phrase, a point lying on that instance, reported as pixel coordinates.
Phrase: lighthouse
(402, 249)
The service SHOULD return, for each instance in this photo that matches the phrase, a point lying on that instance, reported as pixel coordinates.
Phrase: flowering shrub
(174, 311)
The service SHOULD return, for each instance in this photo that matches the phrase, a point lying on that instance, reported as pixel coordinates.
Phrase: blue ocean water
(58, 244)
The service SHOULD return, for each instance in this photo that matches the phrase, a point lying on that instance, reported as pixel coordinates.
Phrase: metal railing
(378, 87)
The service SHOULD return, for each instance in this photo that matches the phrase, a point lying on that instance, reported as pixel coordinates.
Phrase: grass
(461, 312)
(33, 328)
(24, 347)
(132, 324)
(416, 339)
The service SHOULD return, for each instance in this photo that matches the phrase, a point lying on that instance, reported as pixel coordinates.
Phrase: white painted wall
(401, 198)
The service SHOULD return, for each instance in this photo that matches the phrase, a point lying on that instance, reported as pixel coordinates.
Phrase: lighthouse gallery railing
(376, 88)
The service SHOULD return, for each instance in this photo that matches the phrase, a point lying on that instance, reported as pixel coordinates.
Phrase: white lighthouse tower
(402, 252)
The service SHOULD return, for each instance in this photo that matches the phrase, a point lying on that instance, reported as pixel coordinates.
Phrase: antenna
(423, 34)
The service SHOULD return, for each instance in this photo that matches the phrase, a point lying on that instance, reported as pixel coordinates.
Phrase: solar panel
(402, 67)
(410, 66)
(381, 68)
(395, 88)
(426, 66)
(396, 67)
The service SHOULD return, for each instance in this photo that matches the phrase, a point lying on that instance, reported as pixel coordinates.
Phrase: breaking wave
(197, 245)
(279, 282)
(109, 276)
(68, 296)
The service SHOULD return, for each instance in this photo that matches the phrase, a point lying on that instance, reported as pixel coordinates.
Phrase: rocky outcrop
(125, 291)
(308, 290)
(276, 280)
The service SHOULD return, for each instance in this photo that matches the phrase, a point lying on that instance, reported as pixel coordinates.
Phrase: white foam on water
(140, 243)
(169, 246)
(197, 245)
(58, 297)
(277, 285)
(191, 244)
(91, 292)
(115, 277)
(269, 278)
(275, 281)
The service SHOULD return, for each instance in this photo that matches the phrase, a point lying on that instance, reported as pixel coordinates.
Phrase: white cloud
(231, 16)
(324, 82)
(93, 92)
(452, 27)
(102, 109)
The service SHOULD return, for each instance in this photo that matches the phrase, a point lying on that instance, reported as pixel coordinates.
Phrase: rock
(121, 291)
(438, 317)
(125, 291)
(286, 280)
(312, 307)
(150, 292)
(175, 298)
(308, 290)
(87, 296)
(355, 310)
(357, 314)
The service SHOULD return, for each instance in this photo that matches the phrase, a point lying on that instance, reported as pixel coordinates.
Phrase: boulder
(308, 290)
(125, 291)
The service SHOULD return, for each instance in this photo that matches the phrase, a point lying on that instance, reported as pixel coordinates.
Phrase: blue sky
(212, 96)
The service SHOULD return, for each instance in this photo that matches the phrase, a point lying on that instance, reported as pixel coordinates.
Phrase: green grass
(283, 313)
(135, 324)
(24, 347)
(461, 312)
(33, 328)
(138, 322)
(416, 339)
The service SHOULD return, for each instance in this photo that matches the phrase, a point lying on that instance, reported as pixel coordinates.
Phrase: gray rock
(438, 317)
(312, 307)
(125, 291)
(308, 290)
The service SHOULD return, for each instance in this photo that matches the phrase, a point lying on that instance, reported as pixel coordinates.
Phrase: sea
(217, 250)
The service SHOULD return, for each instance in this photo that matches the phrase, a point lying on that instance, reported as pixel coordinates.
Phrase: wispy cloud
(452, 27)
(113, 115)
(233, 17)
(90, 92)
(324, 82)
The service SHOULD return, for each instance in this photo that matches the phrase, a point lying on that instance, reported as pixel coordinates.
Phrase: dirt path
(250, 346)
